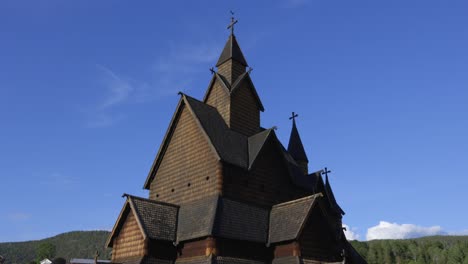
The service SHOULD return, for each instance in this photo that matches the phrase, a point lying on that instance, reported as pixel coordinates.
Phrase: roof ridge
(313, 196)
(151, 201)
(238, 81)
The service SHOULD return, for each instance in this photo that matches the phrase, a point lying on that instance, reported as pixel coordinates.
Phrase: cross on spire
(326, 171)
(233, 22)
(293, 116)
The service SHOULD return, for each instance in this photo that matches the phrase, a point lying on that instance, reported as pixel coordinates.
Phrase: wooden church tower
(223, 189)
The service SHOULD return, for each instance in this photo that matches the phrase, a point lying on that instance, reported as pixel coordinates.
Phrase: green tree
(45, 250)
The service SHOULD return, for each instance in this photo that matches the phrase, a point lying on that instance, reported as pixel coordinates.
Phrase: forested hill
(83, 244)
(78, 244)
(436, 249)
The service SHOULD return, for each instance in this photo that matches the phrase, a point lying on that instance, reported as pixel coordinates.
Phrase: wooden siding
(188, 168)
(231, 70)
(267, 184)
(220, 99)
(317, 240)
(245, 114)
(203, 247)
(129, 243)
(287, 250)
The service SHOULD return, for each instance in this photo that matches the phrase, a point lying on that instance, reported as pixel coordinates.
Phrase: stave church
(223, 189)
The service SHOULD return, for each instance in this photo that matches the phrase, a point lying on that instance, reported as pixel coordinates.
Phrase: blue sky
(87, 89)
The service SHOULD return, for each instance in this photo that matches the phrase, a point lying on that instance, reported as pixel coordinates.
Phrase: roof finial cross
(233, 22)
(293, 117)
(326, 171)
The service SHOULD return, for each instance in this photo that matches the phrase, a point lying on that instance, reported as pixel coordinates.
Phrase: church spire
(295, 147)
(231, 64)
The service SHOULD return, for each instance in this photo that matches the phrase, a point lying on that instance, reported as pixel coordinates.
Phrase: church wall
(286, 250)
(129, 243)
(245, 115)
(243, 249)
(220, 99)
(202, 247)
(317, 240)
(188, 170)
(231, 70)
(268, 183)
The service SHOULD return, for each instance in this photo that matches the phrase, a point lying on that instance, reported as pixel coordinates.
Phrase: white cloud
(386, 230)
(350, 233)
(118, 88)
(459, 233)
(172, 72)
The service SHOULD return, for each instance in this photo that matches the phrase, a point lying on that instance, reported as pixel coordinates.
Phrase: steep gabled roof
(288, 219)
(156, 220)
(331, 197)
(230, 145)
(231, 89)
(227, 145)
(222, 217)
(295, 147)
(231, 51)
(245, 77)
(256, 143)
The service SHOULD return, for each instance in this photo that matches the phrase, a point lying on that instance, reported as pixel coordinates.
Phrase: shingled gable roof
(222, 217)
(228, 145)
(331, 197)
(232, 51)
(218, 128)
(288, 219)
(156, 220)
(231, 89)
(295, 147)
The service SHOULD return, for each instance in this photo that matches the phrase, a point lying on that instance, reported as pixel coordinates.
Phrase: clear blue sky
(87, 89)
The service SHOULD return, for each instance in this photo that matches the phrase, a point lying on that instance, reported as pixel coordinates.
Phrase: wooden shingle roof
(156, 220)
(222, 217)
(288, 219)
(232, 51)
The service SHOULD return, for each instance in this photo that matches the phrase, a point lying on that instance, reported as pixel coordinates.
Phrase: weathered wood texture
(220, 99)
(268, 182)
(129, 243)
(318, 239)
(231, 70)
(245, 113)
(202, 247)
(188, 168)
(286, 250)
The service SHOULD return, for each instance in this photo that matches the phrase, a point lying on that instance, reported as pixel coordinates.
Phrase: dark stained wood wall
(188, 168)
(219, 98)
(129, 243)
(286, 250)
(245, 114)
(318, 240)
(268, 183)
(231, 70)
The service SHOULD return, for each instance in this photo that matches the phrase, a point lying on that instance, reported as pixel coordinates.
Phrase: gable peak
(232, 51)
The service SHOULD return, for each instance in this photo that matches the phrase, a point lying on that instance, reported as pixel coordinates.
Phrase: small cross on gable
(326, 171)
(293, 117)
